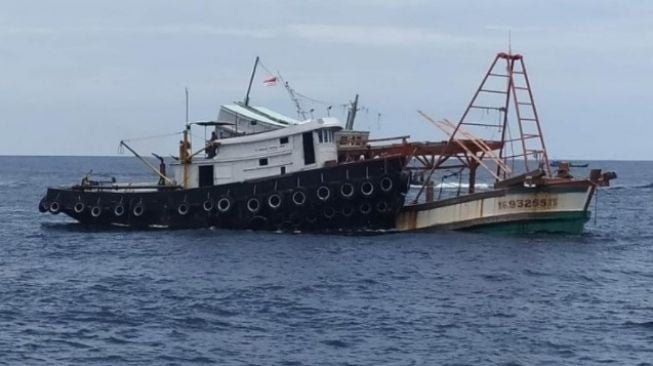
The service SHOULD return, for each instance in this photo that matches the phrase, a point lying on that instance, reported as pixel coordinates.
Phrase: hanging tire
(253, 205)
(347, 211)
(55, 207)
(43, 205)
(183, 209)
(386, 184)
(347, 190)
(296, 220)
(274, 201)
(367, 188)
(79, 207)
(311, 218)
(208, 205)
(329, 213)
(257, 222)
(365, 208)
(382, 207)
(96, 211)
(323, 193)
(138, 210)
(299, 197)
(119, 210)
(224, 204)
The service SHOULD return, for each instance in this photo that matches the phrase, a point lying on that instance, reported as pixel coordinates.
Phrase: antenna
(186, 90)
(509, 42)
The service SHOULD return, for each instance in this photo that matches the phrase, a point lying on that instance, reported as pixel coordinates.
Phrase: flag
(271, 81)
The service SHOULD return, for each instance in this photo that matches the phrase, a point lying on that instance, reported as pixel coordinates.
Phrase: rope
(265, 68)
(152, 137)
(318, 101)
(296, 96)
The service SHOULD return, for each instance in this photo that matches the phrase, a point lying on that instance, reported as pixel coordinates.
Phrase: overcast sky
(78, 76)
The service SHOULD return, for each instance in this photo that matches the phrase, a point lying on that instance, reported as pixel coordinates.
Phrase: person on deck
(162, 169)
(211, 146)
(184, 151)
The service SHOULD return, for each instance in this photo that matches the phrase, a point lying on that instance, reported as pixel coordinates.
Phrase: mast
(183, 155)
(351, 115)
(183, 149)
(251, 80)
(186, 90)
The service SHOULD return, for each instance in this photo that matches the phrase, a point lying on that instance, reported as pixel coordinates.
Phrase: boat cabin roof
(260, 114)
(325, 122)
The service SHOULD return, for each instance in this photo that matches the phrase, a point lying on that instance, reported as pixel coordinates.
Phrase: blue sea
(75, 296)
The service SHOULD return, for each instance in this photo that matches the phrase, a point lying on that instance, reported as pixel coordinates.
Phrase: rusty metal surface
(425, 148)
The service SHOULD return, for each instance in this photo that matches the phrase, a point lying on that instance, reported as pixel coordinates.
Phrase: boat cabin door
(309, 148)
(206, 175)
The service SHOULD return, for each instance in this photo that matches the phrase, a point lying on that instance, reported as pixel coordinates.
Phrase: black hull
(297, 201)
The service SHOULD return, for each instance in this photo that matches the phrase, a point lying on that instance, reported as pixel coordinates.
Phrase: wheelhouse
(305, 146)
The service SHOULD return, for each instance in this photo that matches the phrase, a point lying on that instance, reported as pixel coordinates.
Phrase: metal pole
(184, 157)
(352, 114)
(155, 170)
(186, 90)
(251, 80)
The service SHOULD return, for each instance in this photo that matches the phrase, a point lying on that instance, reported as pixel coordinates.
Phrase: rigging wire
(297, 95)
(142, 138)
(121, 149)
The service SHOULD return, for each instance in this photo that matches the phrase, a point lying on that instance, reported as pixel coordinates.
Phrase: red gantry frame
(482, 136)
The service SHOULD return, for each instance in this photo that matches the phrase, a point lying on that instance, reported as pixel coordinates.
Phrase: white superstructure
(280, 151)
(240, 119)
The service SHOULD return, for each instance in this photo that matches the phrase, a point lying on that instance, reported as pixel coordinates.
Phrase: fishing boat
(292, 178)
(260, 170)
(523, 195)
(557, 163)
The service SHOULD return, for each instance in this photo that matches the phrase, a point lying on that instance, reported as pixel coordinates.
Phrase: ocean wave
(11, 184)
(630, 186)
(645, 324)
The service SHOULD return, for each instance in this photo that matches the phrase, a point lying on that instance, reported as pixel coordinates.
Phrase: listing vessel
(263, 170)
(499, 132)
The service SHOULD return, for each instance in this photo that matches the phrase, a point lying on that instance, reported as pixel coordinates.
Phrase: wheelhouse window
(325, 136)
(283, 140)
(263, 162)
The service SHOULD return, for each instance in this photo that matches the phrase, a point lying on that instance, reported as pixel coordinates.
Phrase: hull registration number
(528, 203)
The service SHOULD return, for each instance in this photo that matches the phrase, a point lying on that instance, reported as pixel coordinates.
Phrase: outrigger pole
(155, 170)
